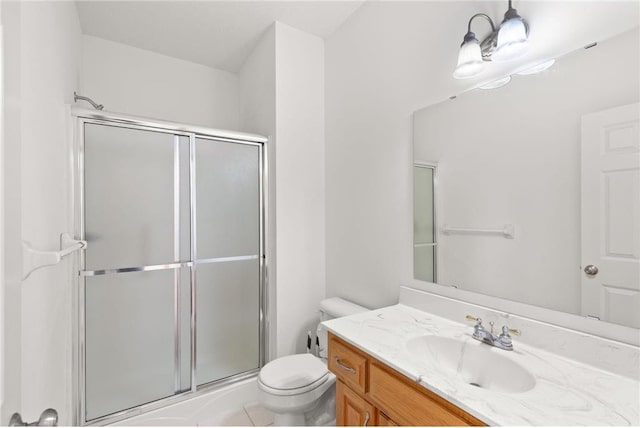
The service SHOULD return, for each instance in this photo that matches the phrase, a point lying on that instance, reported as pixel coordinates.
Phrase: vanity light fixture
(525, 71)
(538, 68)
(508, 42)
(499, 83)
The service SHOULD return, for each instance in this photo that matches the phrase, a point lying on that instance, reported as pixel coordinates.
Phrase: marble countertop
(566, 392)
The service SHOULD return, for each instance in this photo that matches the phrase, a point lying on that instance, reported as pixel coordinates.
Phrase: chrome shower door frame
(81, 117)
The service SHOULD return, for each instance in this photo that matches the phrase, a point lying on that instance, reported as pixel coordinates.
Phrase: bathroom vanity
(401, 365)
(369, 392)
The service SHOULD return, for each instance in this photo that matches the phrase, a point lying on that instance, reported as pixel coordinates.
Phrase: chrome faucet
(502, 341)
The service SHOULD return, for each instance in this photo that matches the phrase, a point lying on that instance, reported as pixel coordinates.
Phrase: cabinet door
(351, 409)
(408, 404)
(384, 420)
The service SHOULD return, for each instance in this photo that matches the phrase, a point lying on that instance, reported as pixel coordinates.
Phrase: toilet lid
(293, 372)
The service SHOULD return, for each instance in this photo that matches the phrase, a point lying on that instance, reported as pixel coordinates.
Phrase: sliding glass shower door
(130, 265)
(171, 287)
(227, 237)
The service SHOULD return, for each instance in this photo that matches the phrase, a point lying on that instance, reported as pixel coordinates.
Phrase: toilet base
(322, 413)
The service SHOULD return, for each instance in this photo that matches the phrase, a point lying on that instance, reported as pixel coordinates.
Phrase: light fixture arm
(488, 43)
(485, 16)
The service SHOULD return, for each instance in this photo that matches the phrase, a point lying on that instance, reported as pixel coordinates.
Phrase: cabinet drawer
(348, 364)
(401, 400)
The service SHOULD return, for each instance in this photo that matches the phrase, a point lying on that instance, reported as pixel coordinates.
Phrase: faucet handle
(478, 327)
(477, 320)
(514, 331)
(504, 340)
(479, 332)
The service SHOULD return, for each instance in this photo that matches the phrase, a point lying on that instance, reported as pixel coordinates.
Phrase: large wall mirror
(538, 196)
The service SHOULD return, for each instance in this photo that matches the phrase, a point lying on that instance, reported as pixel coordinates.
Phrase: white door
(611, 215)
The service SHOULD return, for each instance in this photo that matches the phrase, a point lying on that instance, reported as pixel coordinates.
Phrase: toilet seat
(293, 375)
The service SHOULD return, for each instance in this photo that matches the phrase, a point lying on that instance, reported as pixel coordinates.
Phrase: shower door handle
(48, 418)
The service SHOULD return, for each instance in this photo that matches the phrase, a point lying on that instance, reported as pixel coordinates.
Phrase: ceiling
(221, 34)
(218, 34)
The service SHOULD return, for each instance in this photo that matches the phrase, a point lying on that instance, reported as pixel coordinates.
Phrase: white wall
(282, 95)
(257, 91)
(516, 159)
(369, 94)
(387, 60)
(257, 83)
(300, 184)
(142, 83)
(10, 206)
(43, 53)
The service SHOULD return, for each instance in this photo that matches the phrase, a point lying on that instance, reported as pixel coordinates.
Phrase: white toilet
(299, 388)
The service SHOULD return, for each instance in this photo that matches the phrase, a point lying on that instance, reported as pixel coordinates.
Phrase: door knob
(48, 418)
(591, 270)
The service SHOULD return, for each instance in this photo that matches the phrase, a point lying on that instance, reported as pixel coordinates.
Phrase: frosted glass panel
(423, 263)
(227, 198)
(227, 319)
(423, 204)
(423, 224)
(185, 328)
(129, 202)
(130, 343)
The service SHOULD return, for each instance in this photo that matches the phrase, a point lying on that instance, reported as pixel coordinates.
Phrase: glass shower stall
(171, 287)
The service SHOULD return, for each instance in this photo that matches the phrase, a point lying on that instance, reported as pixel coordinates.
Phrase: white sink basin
(473, 362)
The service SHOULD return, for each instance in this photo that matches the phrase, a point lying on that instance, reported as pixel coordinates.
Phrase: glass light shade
(496, 83)
(512, 40)
(538, 68)
(469, 60)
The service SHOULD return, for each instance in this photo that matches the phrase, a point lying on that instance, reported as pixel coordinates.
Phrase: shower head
(77, 97)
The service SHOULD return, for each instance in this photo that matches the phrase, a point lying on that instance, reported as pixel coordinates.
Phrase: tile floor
(251, 414)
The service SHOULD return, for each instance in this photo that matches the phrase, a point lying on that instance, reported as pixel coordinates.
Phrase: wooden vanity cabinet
(368, 392)
(351, 408)
(383, 420)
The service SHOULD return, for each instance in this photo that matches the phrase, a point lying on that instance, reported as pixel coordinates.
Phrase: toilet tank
(331, 308)
(335, 307)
